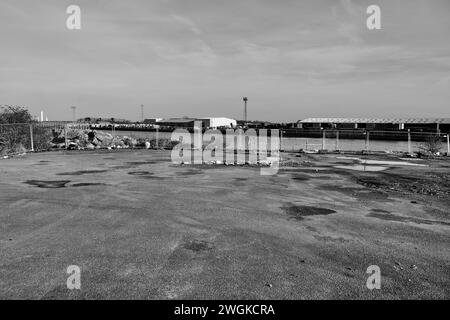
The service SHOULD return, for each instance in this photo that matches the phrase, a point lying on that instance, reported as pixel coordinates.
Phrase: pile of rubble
(78, 139)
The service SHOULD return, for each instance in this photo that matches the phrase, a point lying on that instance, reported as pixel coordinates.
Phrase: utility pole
(74, 119)
(448, 144)
(245, 108)
(142, 113)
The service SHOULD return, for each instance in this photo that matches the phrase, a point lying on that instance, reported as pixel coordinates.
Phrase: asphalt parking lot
(140, 227)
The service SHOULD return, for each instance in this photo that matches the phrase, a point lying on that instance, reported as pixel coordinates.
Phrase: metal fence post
(409, 141)
(65, 136)
(448, 144)
(31, 137)
(281, 140)
(367, 140)
(323, 139)
(337, 140)
(157, 138)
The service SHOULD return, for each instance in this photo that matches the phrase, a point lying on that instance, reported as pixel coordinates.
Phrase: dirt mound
(429, 184)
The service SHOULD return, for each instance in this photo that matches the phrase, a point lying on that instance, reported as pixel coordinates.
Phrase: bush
(15, 137)
(432, 146)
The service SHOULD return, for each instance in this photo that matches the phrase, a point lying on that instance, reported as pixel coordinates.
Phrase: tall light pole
(245, 108)
(73, 113)
(142, 113)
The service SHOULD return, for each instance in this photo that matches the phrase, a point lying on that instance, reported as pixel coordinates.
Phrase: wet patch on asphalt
(88, 184)
(123, 167)
(198, 245)
(42, 163)
(330, 239)
(397, 218)
(299, 212)
(131, 165)
(189, 173)
(358, 193)
(81, 172)
(140, 163)
(48, 184)
(380, 211)
(146, 175)
(239, 182)
(300, 177)
(141, 173)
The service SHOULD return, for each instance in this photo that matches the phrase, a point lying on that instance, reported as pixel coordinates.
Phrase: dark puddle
(146, 175)
(87, 184)
(299, 212)
(189, 173)
(124, 167)
(393, 217)
(131, 165)
(48, 184)
(140, 163)
(198, 245)
(141, 173)
(239, 182)
(300, 177)
(81, 172)
(380, 211)
(330, 239)
(42, 163)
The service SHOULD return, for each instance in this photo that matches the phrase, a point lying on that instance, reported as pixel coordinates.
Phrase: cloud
(185, 21)
(302, 56)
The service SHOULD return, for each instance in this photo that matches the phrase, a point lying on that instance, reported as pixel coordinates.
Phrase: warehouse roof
(177, 120)
(380, 120)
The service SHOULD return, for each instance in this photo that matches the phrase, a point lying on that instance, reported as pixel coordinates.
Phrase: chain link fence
(18, 138)
(365, 140)
(40, 136)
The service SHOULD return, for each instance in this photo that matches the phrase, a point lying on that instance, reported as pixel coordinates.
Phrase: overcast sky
(293, 58)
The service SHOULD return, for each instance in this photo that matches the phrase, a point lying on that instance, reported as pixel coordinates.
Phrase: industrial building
(152, 120)
(414, 124)
(219, 122)
(207, 122)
